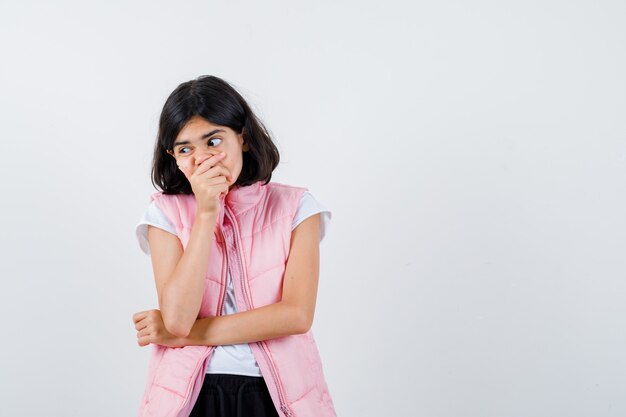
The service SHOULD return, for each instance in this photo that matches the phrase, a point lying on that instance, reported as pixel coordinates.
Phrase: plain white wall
(473, 155)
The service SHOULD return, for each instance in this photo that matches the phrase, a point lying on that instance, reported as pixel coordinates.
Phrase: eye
(181, 150)
(212, 139)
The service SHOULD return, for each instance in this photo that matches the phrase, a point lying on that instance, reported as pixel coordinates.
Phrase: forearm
(182, 295)
(262, 323)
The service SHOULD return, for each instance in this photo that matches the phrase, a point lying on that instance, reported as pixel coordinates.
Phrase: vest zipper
(276, 379)
(225, 281)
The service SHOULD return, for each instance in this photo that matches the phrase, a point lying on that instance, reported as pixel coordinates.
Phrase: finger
(142, 324)
(224, 191)
(139, 316)
(147, 320)
(219, 184)
(228, 175)
(217, 171)
(143, 341)
(143, 332)
(217, 181)
(209, 163)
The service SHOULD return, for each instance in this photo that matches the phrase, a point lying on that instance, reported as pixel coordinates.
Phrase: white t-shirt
(231, 359)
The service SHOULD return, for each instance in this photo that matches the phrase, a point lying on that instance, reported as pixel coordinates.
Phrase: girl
(236, 264)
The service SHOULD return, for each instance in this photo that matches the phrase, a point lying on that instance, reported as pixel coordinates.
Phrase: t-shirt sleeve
(309, 206)
(153, 216)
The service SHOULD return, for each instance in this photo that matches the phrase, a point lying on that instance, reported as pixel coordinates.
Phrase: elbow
(303, 322)
(180, 331)
(300, 319)
(176, 327)
(175, 319)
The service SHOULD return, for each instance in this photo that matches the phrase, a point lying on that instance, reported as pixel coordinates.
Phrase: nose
(202, 156)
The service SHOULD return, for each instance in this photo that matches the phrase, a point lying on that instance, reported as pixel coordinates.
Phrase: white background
(473, 155)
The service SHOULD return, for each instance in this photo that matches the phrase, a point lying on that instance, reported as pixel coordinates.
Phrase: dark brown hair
(216, 101)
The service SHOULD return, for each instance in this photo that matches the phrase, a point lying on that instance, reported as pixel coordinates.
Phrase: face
(199, 140)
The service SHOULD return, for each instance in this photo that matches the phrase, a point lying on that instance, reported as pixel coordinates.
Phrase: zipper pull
(286, 410)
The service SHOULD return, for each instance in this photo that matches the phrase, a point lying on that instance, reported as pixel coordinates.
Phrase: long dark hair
(219, 103)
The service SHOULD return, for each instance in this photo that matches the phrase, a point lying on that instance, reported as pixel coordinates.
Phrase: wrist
(206, 219)
(207, 214)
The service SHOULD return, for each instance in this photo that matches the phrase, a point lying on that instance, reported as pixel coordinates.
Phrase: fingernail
(222, 153)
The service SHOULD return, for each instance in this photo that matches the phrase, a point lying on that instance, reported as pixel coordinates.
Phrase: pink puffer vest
(252, 239)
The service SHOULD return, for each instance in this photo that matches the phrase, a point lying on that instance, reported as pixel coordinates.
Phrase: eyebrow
(206, 135)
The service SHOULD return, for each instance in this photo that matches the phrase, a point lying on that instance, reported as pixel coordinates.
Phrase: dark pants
(226, 395)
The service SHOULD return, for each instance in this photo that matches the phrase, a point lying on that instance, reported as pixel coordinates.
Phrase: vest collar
(239, 199)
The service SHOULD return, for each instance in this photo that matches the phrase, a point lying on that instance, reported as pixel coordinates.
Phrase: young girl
(236, 264)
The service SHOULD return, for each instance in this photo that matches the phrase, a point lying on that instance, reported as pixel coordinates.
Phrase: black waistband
(233, 384)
